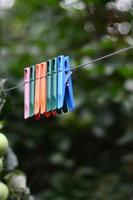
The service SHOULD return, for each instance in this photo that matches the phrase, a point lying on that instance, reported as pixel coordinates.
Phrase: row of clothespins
(48, 88)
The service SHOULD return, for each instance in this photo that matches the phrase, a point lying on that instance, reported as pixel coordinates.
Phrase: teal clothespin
(32, 89)
(54, 87)
(49, 81)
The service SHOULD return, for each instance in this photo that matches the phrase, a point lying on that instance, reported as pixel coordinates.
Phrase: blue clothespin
(61, 81)
(65, 90)
(69, 99)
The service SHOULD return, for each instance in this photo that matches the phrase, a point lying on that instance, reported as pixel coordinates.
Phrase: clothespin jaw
(43, 87)
(69, 89)
(54, 87)
(26, 93)
(32, 89)
(49, 84)
(61, 81)
(37, 90)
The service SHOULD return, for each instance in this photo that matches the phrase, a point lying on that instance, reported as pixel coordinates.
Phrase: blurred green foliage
(87, 154)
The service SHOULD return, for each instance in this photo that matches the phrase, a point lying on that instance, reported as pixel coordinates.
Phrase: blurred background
(86, 154)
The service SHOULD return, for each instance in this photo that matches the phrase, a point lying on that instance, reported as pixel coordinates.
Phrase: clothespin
(61, 83)
(32, 89)
(26, 93)
(65, 90)
(69, 99)
(54, 99)
(49, 81)
(37, 91)
(43, 87)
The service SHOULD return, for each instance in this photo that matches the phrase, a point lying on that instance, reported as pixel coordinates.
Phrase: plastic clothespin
(61, 83)
(26, 93)
(54, 87)
(43, 87)
(65, 90)
(37, 91)
(32, 89)
(49, 81)
(69, 99)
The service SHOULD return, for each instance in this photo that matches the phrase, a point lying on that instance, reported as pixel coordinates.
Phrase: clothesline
(79, 66)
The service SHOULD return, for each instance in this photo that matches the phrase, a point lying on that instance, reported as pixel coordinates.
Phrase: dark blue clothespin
(65, 90)
(69, 99)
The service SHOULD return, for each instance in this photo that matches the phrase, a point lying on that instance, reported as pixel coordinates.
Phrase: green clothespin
(32, 89)
(54, 87)
(49, 81)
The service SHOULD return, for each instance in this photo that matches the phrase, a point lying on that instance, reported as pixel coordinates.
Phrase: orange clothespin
(37, 91)
(43, 87)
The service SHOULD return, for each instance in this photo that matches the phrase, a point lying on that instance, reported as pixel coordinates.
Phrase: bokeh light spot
(6, 4)
(124, 28)
(124, 5)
